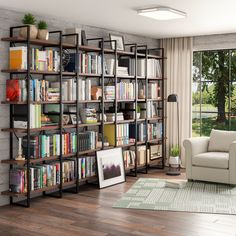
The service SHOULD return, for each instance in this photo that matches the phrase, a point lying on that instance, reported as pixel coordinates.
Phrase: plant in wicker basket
(30, 20)
(43, 30)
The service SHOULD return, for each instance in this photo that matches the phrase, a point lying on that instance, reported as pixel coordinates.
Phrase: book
(18, 58)
(13, 90)
(175, 183)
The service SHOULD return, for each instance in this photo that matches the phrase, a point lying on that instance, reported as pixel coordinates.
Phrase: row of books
(154, 91)
(125, 133)
(42, 146)
(47, 175)
(120, 137)
(41, 60)
(41, 176)
(153, 67)
(90, 63)
(125, 90)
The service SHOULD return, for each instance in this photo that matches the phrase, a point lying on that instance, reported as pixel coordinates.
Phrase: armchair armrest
(194, 146)
(232, 163)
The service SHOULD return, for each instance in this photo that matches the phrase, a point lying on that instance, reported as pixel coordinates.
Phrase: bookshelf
(101, 79)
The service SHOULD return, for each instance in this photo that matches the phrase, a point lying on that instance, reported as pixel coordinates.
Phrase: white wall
(218, 41)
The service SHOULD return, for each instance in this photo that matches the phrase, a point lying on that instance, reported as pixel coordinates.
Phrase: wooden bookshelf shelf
(125, 121)
(46, 43)
(37, 72)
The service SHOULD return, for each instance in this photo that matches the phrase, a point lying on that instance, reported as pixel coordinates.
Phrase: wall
(11, 18)
(218, 41)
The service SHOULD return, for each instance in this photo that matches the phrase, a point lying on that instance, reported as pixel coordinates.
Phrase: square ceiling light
(162, 13)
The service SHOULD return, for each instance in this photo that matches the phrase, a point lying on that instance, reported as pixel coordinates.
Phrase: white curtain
(178, 71)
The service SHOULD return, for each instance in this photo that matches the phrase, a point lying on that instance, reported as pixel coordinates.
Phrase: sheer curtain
(178, 71)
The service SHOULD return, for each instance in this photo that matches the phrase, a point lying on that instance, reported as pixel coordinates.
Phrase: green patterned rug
(151, 194)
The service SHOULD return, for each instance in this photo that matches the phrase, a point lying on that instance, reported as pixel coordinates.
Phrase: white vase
(174, 161)
(33, 32)
(43, 34)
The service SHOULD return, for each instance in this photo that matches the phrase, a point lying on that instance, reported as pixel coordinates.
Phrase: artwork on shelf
(84, 40)
(74, 119)
(119, 40)
(155, 152)
(110, 166)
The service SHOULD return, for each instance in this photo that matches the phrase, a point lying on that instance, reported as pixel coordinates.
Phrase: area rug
(151, 194)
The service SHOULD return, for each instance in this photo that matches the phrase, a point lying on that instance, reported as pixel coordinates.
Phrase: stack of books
(175, 183)
(111, 116)
(88, 115)
(122, 71)
(109, 92)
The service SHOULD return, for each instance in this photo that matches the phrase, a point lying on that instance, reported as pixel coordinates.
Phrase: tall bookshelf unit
(135, 52)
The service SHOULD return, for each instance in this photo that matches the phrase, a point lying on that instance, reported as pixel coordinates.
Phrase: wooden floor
(91, 213)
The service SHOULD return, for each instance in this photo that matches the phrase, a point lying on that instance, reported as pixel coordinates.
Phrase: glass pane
(196, 124)
(233, 65)
(207, 101)
(210, 121)
(197, 66)
(233, 122)
(196, 97)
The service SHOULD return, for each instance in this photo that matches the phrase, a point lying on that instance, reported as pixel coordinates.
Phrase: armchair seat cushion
(212, 159)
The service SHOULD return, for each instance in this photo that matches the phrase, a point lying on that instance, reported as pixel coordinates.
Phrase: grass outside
(210, 123)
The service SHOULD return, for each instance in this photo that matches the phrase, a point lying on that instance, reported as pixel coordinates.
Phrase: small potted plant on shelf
(30, 20)
(174, 160)
(43, 30)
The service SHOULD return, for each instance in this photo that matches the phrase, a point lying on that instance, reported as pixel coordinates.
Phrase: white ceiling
(203, 16)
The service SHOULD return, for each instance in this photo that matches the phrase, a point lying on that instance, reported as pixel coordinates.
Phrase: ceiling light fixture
(162, 13)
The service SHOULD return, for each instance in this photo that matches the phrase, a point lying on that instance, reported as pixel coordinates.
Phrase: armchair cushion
(212, 159)
(220, 140)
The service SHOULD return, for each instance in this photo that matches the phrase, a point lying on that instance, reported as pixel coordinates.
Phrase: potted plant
(174, 160)
(29, 19)
(43, 30)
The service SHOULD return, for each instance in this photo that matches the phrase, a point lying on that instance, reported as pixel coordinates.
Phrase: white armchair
(212, 158)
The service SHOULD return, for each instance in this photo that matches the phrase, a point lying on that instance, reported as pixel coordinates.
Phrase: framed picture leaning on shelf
(119, 40)
(110, 165)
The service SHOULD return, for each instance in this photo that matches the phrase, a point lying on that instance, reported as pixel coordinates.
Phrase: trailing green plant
(174, 151)
(42, 25)
(29, 19)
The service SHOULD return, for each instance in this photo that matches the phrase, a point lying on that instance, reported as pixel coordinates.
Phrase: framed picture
(155, 151)
(74, 119)
(84, 40)
(119, 40)
(110, 164)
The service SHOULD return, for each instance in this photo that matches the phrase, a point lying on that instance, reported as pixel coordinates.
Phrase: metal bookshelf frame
(133, 53)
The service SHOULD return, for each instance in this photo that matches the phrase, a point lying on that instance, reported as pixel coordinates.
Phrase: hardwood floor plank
(90, 213)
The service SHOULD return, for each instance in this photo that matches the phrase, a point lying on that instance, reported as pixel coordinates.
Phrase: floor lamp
(175, 171)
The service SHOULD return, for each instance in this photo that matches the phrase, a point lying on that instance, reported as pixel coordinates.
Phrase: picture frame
(74, 119)
(120, 41)
(84, 40)
(155, 151)
(110, 167)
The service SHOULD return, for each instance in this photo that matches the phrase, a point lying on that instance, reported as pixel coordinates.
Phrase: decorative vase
(174, 161)
(33, 32)
(43, 34)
